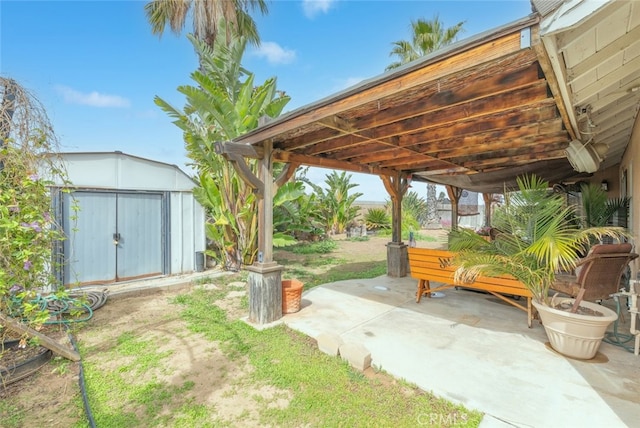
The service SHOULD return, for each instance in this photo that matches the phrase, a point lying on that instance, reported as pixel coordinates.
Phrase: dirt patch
(51, 397)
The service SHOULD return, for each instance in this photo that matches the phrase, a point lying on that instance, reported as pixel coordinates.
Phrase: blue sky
(96, 67)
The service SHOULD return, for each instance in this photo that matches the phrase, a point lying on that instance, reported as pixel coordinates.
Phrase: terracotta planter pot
(291, 295)
(574, 335)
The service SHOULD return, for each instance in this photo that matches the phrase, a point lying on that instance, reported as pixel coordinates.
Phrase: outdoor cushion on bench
(428, 265)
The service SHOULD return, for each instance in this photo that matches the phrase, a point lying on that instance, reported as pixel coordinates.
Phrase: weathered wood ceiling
(474, 115)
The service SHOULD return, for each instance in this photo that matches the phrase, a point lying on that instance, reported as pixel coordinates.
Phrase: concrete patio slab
(475, 350)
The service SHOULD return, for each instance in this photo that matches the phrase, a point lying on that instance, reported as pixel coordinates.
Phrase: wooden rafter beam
(446, 171)
(482, 142)
(337, 124)
(436, 147)
(235, 153)
(426, 130)
(491, 122)
(539, 151)
(280, 156)
(490, 147)
(554, 85)
(246, 150)
(451, 62)
(519, 70)
(503, 103)
(414, 163)
(286, 174)
(244, 171)
(503, 76)
(349, 128)
(514, 161)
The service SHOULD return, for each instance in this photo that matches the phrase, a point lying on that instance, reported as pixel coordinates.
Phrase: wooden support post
(397, 258)
(454, 195)
(488, 198)
(265, 292)
(265, 207)
(265, 275)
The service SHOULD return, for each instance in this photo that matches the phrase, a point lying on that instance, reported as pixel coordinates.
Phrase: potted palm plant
(538, 238)
(597, 208)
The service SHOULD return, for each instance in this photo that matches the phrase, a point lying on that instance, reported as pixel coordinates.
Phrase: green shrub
(377, 218)
(320, 247)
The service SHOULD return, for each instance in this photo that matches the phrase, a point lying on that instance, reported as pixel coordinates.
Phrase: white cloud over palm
(93, 99)
(312, 8)
(274, 53)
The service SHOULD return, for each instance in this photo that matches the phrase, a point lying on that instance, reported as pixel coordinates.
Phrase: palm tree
(427, 37)
(207, 16)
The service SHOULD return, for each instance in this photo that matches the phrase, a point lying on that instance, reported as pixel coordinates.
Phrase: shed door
(139, 226)
(116, 237)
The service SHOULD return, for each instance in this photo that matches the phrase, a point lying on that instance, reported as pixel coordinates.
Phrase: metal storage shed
(135, 218)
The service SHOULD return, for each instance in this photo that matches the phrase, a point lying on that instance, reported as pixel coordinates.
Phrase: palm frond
(537, 239)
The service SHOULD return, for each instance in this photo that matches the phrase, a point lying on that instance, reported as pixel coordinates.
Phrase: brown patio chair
(599, 273)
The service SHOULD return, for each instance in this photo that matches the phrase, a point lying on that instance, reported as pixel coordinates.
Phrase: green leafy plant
(61, 366)
(415, 207)
(537, 239)
(597, 208)
(28, 232)
(412, 207)
(296, 215)
(206, 16)
(377, 218)
(321, 247)
(337, 205)
(224, 104)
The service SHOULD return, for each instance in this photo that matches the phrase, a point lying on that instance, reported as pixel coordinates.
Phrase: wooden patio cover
(473, 116)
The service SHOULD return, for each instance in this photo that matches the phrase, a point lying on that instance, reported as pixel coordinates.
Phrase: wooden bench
(428, 265)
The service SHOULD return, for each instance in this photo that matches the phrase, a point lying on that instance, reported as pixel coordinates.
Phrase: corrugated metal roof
(545, 7)
(117, 170)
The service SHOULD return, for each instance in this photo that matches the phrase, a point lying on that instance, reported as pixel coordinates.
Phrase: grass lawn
(186, 359)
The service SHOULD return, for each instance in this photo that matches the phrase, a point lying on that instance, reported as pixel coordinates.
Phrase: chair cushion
(625, 247)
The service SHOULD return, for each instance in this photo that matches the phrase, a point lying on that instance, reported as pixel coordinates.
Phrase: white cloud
(93, 99)
(274, 53)
(312, 8)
